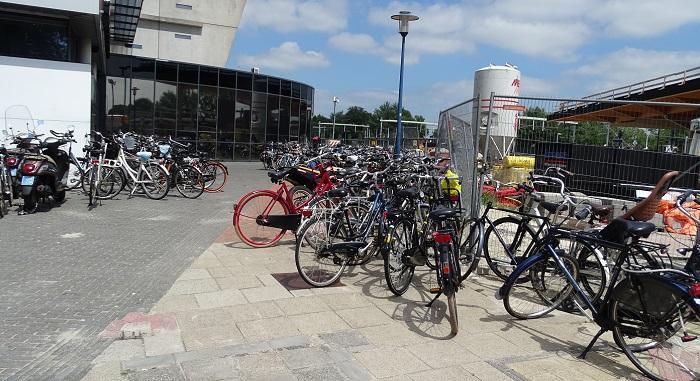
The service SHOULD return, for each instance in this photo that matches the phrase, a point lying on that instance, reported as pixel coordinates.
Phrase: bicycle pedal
(435, 290)
(688, 338)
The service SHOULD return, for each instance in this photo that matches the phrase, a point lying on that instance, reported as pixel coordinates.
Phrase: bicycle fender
(524, 265)
(651, 289)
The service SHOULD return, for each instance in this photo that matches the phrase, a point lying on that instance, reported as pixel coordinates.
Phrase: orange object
(673, 218)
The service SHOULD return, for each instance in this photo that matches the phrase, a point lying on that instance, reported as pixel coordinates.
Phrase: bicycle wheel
(545, 289)
(657, 329)
(156, 181)
(515, 236)
(398, 270)
(189, 181)
(75, 176)
(315, 262)
(252, 209)
(300, 194)
(215, 176)
(470, 247)
(452, 311)
(111, 183)
(92, 188)
(3, 193)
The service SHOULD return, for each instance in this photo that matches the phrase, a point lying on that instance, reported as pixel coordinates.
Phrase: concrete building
(149, 66)
(193, 31)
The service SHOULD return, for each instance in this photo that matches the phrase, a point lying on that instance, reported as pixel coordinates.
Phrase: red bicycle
(261, 217)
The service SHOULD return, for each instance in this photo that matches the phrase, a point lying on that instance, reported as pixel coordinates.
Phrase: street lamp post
(403, 17)
(335, 102)
(133, 107)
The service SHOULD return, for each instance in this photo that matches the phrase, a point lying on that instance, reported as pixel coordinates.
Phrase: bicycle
(186, 178)
(653, 313)
(150, 176)
(262, 217)
(5, 185)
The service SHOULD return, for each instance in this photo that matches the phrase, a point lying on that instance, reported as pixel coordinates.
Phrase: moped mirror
(71, 129)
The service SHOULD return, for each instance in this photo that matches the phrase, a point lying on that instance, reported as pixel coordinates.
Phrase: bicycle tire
(214, 169)
(452, 311)
(515, 294)
(322, 274)
(471, 247)
(115, 178)
(247, 227)
(674, 358)
(399, 243)
(188, 177)
(77, 173)
(300, 194)
(494, 251)
(158, 181)
(3, 204)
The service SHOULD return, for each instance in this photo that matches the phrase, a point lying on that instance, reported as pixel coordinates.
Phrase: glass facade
(229, 113)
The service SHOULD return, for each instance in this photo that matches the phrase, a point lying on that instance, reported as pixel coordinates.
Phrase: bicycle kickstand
(434, 299)
(582, 356)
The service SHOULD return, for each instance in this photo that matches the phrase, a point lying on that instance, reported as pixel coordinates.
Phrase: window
(245, 81)
(241, 151)
(227, 105)
(286, 88)
(188, 73)
(258, 118)
(183, 36)
(142, 88)
(227, 79)
(224, 151)
(183, 6)
(273, 86)
(165, 71)
(273, 118)
(242, 114)
(186, 111)
(284, 119)
(208, 76)
(207, 112)
(29, 37)
(165, 108)
(296, 90)
(294, 118)
(303, 116)
(260, 84)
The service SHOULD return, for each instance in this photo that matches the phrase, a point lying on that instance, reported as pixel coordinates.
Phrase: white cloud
(289, 15)
(539, 28)
(286, 57)
(354, 42)
(630, 65)
(537, 87)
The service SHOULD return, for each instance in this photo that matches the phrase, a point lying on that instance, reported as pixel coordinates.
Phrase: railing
(678, 78)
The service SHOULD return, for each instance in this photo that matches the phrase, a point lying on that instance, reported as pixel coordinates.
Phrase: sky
(563, 48)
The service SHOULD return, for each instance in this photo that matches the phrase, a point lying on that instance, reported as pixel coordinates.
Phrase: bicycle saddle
(408, 193)
(618, 230)
(277, 176)
(337, 193)
(441, 214)
(551, 207)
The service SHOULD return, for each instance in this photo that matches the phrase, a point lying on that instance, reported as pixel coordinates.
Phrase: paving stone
(304, 357)
(175, 303)
(454, 373)
(163, 342)
(219, 272)
(170, 373)
(254, 311)
(293, 342)
(223, 298)
(320, 373)
(485, 371)
(345, 300)
(147, 363)
(204, 263)
(122, 350)
(196, 286)
(442, 353)
(265, 329)
(263, 366)
(210, 369)
(353, 371)
(393, 334)
(318, 322)
(238, 282)
(364, 317)
(345, 339)
(489, 346)
(202, 318)
(214, 336)
(103, 371)
(302, 305)
(192, 274)
(261, 294)
(401, 362)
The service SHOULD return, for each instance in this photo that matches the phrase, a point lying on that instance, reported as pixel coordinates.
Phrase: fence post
(488, 127)
(476, 184)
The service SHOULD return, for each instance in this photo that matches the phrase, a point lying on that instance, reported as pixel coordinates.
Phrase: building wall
(55, 94)
(200, 31)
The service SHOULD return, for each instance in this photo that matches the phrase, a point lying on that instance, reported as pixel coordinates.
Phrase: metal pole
(399, 126)
(573, 138)
(488, 130)
(334, 103)
(607, 136)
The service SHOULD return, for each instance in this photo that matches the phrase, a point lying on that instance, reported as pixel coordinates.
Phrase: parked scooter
(44, 175)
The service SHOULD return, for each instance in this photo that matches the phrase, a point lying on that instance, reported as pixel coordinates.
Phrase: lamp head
(404, 17)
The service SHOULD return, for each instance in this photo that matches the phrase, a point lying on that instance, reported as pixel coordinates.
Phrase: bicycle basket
(144, 155)
(164, 150)
(129, 142)
(112, 151)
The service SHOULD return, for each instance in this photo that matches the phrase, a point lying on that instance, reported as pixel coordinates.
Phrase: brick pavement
(67, 273)
(234, 321)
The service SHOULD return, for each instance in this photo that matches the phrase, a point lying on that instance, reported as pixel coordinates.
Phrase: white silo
(504, 81)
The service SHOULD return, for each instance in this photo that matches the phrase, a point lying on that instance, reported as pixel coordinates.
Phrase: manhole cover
(292, 281)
